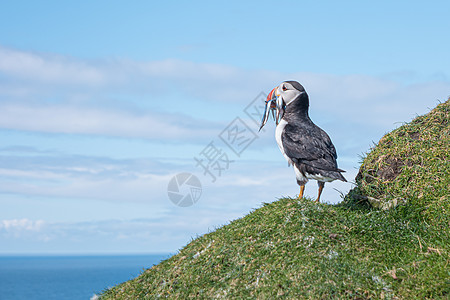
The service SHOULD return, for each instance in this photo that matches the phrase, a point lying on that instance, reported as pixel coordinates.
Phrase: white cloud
(49, 68)
(361, 100)
(370, 102)
(108, 122)
(86, 178)
(139, 180)
(17, 225)
(106, 236)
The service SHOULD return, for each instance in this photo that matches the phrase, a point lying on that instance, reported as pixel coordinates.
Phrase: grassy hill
(357, 249)
(411, 165)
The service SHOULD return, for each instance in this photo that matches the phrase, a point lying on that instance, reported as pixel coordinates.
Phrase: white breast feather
(278, 132)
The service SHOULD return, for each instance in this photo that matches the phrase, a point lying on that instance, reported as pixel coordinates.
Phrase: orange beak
(271, 97)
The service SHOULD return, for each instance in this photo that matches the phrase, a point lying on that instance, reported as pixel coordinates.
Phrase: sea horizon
(69, 276)
(81, 254)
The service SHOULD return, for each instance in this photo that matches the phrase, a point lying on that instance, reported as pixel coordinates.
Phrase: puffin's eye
(284, 88)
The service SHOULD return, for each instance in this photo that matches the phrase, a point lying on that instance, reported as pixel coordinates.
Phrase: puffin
(305, 146)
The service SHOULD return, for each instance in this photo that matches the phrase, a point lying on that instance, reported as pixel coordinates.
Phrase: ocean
(67, 277)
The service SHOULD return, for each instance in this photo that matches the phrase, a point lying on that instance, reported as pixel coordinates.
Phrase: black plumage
(306, 146)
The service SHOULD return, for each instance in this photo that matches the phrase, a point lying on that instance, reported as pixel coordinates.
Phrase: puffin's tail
(335, 174)
(340, 176)
(330, 172)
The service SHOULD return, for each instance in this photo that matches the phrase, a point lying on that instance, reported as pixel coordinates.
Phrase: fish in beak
(274, 102)
(270, 107)
(280, 106)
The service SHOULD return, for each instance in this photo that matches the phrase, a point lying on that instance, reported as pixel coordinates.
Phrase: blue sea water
(67, 277)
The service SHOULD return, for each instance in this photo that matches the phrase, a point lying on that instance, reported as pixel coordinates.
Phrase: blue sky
(101, 104)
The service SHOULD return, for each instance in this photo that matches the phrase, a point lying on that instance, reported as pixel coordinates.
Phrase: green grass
(298, 249)
(412, 165)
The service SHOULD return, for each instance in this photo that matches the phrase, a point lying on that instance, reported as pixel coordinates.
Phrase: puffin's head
(279, 97)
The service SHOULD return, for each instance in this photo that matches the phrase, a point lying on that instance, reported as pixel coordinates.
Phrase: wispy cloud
(207, 81)
(371, 101)
(140, 180)
(71, 176)
(119, 236)
(17, 225)
(385, 100)
(21, 229)
(49, 68)
(71, 119)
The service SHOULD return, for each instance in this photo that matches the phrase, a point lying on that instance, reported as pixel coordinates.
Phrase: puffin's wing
(310, 146)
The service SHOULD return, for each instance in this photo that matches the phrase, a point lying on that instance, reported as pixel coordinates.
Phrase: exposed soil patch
(391, 168)
(414, 135)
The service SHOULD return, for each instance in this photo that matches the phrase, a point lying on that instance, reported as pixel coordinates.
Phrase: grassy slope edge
(297, 249)
(411, 165)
